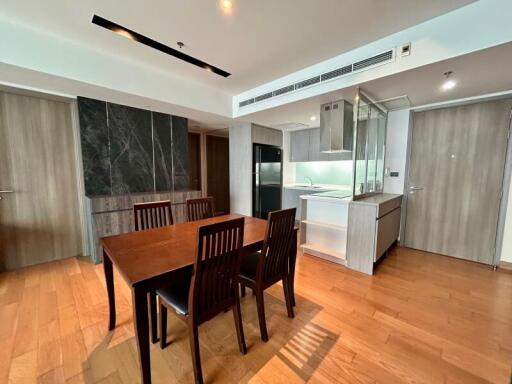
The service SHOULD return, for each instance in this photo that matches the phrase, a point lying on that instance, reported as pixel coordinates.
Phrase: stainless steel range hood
(336, 126)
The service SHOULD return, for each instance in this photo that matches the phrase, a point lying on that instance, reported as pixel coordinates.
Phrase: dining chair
(212, 287)
(201, 208)
(147, 216)
(260, 270)
(152, 215)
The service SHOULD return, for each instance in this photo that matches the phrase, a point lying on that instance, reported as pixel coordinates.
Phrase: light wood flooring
(422, 318)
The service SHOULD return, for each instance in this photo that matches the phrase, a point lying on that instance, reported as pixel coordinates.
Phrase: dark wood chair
(146, 216)
(201, 208)
(152, 215)
(212, 287)
(261, 270)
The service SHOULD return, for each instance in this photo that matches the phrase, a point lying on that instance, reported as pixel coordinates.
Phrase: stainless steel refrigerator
(267, 180)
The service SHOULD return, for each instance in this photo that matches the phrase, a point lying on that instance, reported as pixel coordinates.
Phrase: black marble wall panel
(131, 149)
(128, 150)
(180, 152)
(162, 143)
(95, 146)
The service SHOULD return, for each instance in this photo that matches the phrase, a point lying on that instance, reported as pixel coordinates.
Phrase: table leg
(109, 280)
(291, 269)
(141, 325)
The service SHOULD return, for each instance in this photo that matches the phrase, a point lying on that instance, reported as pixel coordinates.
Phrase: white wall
(396, 149)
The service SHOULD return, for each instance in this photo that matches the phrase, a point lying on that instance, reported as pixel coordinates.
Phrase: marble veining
(180, 152)
(95, 146)
(162, 143)
(131, 149)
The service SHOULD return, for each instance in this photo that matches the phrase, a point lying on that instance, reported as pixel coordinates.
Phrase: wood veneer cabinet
(373, 226)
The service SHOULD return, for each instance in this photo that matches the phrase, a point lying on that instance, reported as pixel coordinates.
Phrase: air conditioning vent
(386, 56)
(337, 72)
(263, 97)
(381, 58)
(245, 103)
(307, 82)
(280, 91)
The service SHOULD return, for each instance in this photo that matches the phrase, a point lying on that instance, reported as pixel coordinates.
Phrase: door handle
(415, 188)
(5, 191)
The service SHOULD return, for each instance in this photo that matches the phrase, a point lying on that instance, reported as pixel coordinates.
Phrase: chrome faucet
(310, 180)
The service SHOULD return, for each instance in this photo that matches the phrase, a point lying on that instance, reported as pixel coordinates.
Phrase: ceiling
(258, 42)
(479, 73)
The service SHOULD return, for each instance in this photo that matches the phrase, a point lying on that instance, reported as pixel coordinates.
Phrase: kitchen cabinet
(268, 136)
(291, 197)
(299, 145)
(305, 146)
(314, 153)
(373, 226)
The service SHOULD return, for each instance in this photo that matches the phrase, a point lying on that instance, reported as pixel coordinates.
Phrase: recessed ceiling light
(449, 83)
(227, 5)
(312, 118)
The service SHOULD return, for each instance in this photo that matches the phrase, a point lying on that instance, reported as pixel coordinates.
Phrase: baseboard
(506, 265)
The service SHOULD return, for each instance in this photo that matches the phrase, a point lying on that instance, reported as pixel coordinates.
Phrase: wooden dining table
(147, 260)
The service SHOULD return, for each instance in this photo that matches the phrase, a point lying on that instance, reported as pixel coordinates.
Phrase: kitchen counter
(354, 233)
(378, 199)
(318, 187)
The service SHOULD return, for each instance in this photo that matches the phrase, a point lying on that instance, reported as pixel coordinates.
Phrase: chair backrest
(215, 279)
(201, 208)
(276, 246)
(152, 215)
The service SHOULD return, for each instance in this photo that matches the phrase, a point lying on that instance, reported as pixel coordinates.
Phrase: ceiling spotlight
(449, 83)
(227, 5)
(312, 118)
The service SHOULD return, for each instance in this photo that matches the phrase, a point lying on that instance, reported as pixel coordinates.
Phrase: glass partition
(369, 148)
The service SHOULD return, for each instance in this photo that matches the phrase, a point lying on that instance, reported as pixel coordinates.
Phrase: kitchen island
(354, 233)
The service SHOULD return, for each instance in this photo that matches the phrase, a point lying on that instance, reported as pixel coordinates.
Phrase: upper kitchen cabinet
(267, 136)
(305, 146)
(314, 146)
(299, 146)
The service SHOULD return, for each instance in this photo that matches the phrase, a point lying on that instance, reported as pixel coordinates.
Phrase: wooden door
(194, 160)
(217, 171)
(39, 221)
(455, 179)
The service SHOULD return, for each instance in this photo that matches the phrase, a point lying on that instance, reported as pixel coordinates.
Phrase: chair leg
(194, 351)
(163, 326)
(153, 316)
(260, 304)
(237, 314)
(288, 297)
(242, 290)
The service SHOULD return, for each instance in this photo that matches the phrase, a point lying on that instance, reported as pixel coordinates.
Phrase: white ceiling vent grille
(361, 65)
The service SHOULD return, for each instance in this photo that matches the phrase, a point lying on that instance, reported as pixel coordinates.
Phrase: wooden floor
(422, 318)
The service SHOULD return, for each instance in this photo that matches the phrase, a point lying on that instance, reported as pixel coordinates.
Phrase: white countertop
(344, 200)
(318, 187)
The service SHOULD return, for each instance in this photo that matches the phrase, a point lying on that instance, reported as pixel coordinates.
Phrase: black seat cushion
(249, 265)
(176, 294)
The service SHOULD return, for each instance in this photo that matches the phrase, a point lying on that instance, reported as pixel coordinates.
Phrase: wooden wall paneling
(457, 158)
(40, 221)
(217, 163)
